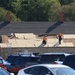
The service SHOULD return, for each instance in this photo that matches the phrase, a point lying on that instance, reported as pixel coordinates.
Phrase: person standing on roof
(60, 37)
(44, 42)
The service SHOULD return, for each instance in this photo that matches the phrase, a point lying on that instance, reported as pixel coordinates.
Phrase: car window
(33, 71)
(44, 71)
(52, 58)
(1, 61)
(62, 71)
(10, 59)
(39, 70)
(16, 61)
(22, 58)
(66, 71)
(23, 61)
(34, 59)
(70, 61)
(2, 72)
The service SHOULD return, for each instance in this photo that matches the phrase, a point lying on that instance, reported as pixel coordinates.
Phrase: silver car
(4, 72)
(47, 69)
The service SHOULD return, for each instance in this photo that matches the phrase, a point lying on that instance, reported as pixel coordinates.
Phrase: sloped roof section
(37, 27)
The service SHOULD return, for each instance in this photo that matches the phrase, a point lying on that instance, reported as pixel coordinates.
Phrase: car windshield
(1, 61)
(52, 58)
(63, 71)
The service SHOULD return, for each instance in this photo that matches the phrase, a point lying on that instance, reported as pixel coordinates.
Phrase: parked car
(21, 61)
(6, 63)
(2, 63)
(70, 61)
(47, 69)
(53, 58)
(4, 72)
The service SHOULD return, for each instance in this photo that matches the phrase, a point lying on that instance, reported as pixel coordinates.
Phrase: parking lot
(16, 62)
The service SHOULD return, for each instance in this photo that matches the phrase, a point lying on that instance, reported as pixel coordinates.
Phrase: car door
(45, 71)
(32, 71)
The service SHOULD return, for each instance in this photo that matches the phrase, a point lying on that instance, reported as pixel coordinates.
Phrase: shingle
(38, 27)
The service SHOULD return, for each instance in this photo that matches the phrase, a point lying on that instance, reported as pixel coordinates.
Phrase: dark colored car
(21, 61)
(70, 61)
(53, 58)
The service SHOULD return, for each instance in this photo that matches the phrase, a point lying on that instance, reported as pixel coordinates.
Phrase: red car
(20, 61)
(2, 64)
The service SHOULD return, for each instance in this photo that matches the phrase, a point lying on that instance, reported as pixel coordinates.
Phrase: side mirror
(11, 73)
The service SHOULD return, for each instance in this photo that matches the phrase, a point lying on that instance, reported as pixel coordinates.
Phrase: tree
(65, 2)
(38, 10)
(3, 15)
(4, 3)
(16, 6)
(69, 12)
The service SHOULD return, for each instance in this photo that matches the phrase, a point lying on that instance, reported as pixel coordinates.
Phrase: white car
(4, 72)
(47, 69)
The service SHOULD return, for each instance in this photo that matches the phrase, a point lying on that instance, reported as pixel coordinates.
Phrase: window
(1, 62)
(2, 72)
(62, 71)
(65, 71)
(38, 70)
(51, 58)
(33, 70)
(70, 61)
(44, 71)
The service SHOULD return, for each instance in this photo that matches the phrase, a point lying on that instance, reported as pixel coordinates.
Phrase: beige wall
(4, 52)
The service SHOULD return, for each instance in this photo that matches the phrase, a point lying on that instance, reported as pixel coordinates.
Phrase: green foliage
(4, 3)
(16, 6)
(69, 11)
(3, 15)
(14, 18)
(66, 2)
(38, 10)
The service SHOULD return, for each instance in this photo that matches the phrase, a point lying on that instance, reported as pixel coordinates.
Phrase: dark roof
(37, 27)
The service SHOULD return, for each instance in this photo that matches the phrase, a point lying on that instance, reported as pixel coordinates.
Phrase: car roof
(49, 66)
(71, 57)
(24, 55)
(55, 53)
(52, 65)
